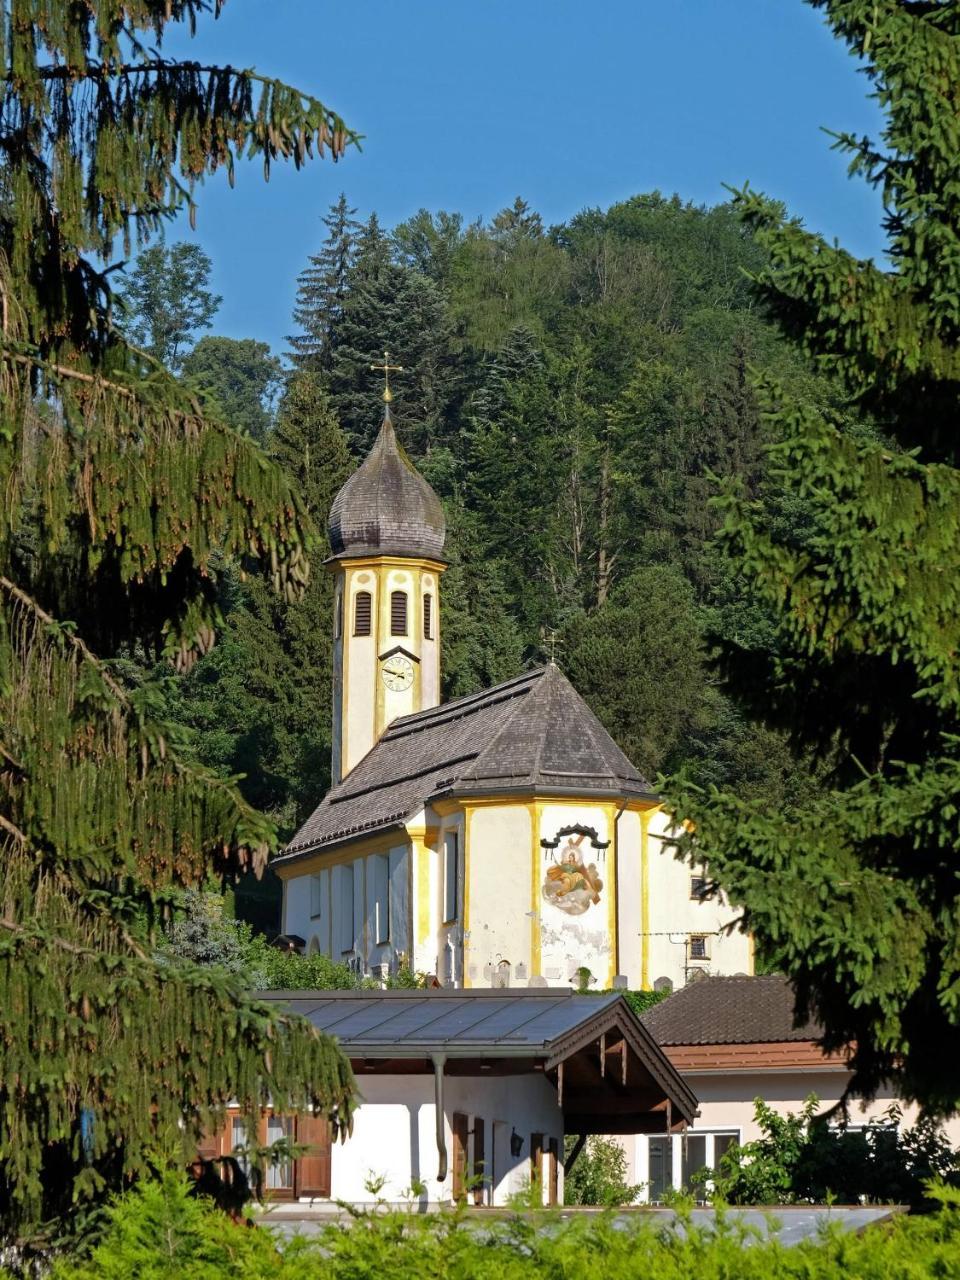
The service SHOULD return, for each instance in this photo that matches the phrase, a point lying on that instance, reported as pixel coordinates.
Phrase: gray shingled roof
(480, 1024)
(533, 733)
(735, 1010)
(386, 507)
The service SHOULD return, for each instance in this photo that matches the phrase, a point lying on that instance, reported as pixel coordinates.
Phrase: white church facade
(498, 840)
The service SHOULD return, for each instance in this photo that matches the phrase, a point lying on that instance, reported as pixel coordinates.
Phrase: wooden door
(553, 1179)
(536, 1158)
(461, 1132)
(313, 1168)
(479, 1157)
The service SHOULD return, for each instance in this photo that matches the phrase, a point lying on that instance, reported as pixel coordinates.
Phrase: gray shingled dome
(386, 507)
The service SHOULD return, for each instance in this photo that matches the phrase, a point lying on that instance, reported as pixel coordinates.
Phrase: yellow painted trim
(611, 887)
(392, 562)
(466, 896)
(752, 957)
(446, 807)
(536, 930)
(645, 901)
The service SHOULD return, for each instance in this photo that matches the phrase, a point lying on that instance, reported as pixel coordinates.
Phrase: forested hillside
(575, 394)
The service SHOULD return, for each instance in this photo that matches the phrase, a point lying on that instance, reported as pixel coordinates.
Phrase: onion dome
(386, 507)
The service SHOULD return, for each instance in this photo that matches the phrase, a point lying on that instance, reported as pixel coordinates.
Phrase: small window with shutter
(362, 613)
(428, 616)
(451, 874)
(398, 613)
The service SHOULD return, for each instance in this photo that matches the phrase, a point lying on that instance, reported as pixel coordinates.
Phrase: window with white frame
(316, 895)
(380, 866)
(698, 888)
(451, 873)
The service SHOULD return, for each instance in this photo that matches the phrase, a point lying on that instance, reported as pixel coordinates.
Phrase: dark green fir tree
(132, 497)
(854, 889)
(322, 288)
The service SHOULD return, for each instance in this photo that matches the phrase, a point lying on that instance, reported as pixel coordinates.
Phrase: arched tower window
(428, 616)
(362, 613)
(398, 613)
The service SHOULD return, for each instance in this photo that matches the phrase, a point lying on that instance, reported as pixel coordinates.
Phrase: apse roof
(531, 734)
(386, 507)
(730, 1010)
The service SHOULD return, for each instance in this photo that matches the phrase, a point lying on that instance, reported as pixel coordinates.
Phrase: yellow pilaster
(611, 888)
(467, 817)
(536, 942)
(645, 901)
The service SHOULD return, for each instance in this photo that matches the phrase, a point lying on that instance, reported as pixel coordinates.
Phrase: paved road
(790, 1224)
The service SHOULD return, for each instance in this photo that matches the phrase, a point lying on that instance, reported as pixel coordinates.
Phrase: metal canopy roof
(551, 1025)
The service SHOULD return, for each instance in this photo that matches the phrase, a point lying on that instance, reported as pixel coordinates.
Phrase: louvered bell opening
(398, 613)
(428, 617)
(361, 614)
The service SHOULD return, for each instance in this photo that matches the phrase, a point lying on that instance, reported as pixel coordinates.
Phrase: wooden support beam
(571, 1159)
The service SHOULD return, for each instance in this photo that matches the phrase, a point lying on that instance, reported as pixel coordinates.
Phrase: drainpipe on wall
(438, 1060)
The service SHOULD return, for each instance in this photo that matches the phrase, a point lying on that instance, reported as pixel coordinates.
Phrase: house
(734, 1039)
(498, 840)
(470, 1093)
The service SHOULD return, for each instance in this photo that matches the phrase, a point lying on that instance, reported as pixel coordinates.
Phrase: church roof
(386, 507)
(531, 734)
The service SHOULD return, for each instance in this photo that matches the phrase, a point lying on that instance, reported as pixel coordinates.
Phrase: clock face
(397, 673)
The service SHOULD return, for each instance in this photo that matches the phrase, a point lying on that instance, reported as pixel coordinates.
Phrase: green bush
(599, 1175)
(802, 1158)
(158, 1233)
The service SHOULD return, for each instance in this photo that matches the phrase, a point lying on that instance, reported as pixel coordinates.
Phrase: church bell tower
(386, 533)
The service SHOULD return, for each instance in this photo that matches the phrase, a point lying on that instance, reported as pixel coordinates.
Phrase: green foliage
(238, 379)
(599, 1175)
(851, 552)
(157, 1233)
(168, 300)
(121, 500)
(802, 1158)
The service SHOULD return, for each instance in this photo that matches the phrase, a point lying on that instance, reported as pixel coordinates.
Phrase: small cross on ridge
(386, 369)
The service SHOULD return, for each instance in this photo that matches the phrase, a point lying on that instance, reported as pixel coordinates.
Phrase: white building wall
(727, 1101)
(674, 917)
(394, 1134)
(498, 924)
(573, 939)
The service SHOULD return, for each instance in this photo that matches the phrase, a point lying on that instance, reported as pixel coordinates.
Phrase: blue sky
(466, 104)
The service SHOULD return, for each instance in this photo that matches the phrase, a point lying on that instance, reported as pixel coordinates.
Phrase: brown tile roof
(533, 733)
(737, 1010)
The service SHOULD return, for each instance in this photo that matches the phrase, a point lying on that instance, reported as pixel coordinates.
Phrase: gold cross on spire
(386, 369)
(554, 642)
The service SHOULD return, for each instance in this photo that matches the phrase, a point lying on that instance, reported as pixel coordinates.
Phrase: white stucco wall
(673, 916)
(727, 1106)
(569, 940)
(498, 924)
(322, 931)
(394, 1134)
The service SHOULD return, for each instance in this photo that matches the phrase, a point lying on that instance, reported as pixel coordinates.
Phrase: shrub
(599, 1175)
(159, 1233)
(802, 1158)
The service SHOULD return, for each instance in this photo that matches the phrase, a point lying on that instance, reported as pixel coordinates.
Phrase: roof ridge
(484, 697)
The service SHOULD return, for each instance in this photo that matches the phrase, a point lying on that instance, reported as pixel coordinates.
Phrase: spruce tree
(105, 1054)
(322, 288)
(855, 889)
(391, 307)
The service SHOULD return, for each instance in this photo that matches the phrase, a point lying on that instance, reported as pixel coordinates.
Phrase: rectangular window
(362, 612)
(338, 616)
(698, 887)
(316, 892)
(694, 1158)
(346, 934)
(697, 946)
(398, 613)
(451, 872)
(428, 616)
(280, 1172)
(722, 1143)
(381, 897)
(661, 1167)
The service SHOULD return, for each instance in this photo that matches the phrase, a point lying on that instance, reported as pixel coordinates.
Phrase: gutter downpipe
(616, 886)
(438, 1062)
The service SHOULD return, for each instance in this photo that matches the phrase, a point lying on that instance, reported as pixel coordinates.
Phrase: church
(500, 840)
